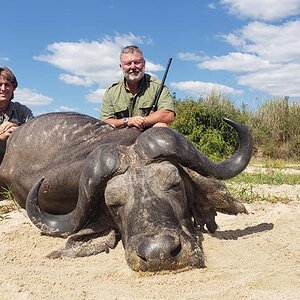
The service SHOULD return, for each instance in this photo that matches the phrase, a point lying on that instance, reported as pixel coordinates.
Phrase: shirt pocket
(121, 111)
(145, 111)
(145, 108)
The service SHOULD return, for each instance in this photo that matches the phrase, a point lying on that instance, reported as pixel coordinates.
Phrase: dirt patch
(254, 256)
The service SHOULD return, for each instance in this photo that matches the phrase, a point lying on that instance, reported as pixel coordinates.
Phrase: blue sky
(65, 53)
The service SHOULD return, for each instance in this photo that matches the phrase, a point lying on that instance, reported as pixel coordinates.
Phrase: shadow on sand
(235, 234)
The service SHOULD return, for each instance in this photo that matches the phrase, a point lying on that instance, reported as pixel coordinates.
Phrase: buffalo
(81, 178)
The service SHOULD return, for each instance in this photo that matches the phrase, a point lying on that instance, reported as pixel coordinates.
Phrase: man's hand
(6, 129)
(138, 122)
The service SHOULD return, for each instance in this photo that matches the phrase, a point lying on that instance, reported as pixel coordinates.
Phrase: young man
(12, 114)
(129, 101)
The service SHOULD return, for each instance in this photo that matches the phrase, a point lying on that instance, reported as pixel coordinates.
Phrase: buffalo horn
(160, 143)
(97, 169)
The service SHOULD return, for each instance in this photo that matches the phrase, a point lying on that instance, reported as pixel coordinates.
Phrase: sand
(254, 256)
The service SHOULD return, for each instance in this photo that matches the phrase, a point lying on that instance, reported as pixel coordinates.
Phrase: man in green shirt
(129, 101)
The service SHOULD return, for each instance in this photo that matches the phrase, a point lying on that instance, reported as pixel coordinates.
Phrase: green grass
(275, 177)
(242, 186)
(246, 193)
(275, 163)
(6, 194)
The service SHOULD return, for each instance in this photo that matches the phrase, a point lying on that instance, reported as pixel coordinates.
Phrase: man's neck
(133, 86)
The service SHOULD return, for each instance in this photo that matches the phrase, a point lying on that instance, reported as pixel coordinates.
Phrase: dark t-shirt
(16, 113)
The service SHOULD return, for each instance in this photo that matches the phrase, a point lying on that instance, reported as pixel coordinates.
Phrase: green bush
(201, 122)
(275, 126)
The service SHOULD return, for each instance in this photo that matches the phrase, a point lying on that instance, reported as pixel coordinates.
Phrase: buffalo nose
(160, 248)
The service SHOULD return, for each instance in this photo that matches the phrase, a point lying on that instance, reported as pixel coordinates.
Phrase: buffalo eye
(116, 209)
(171, 181)
(115, 197)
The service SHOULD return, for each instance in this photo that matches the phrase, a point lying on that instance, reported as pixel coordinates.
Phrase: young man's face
(133, 66)
(6, 90)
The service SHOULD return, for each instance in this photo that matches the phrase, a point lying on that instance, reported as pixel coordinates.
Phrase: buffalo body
(77, 176)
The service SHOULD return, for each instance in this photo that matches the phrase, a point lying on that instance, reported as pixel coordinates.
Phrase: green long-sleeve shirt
(118, 102)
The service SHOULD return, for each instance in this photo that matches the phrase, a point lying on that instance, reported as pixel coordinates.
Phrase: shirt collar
(140, 85)
(9, 111)
(10, 108)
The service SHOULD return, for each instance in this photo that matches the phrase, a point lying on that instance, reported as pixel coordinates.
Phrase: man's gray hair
(131, 49)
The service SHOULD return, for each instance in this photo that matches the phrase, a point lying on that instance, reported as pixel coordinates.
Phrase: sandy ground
(254, 256)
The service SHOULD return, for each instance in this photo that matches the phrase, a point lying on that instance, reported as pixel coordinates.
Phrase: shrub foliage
(275, 126)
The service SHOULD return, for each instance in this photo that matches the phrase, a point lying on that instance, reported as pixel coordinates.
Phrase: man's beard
(133, 77)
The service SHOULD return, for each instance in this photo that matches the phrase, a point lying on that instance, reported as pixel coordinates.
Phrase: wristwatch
(125, 122)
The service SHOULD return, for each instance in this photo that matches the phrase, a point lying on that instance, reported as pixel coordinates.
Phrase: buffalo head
(159, 193)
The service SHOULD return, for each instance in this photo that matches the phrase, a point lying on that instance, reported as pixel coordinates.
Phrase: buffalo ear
(210, 192)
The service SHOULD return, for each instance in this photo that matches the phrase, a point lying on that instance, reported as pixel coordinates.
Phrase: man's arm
(118, 123)
(160, 116)
(136, 121)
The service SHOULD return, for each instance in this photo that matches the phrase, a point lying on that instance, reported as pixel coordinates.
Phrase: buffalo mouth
(164, 251)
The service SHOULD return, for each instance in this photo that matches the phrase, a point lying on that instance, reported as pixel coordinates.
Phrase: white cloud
(66, 108)
(31, 98)
(94, 61)
(88, 62)
(267, 10)
(96, 96)
(197, 88)
(268, 56)
(151, 67)
(236, 62)
(234, 39)
(75, 80)
(282, 81)
(189, 56)
(275, 43)
(127, 39)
